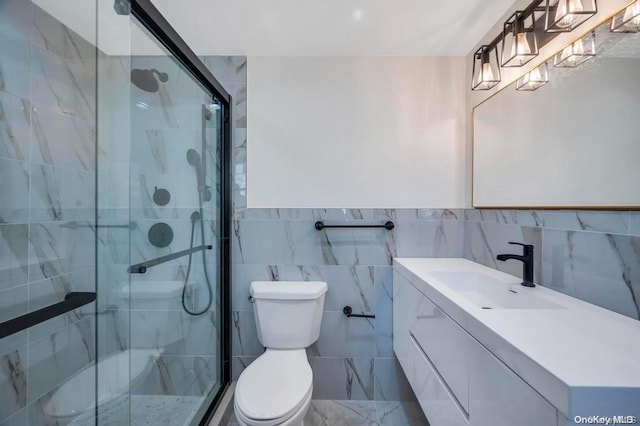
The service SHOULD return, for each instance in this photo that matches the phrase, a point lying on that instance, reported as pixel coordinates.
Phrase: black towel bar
(387, 225)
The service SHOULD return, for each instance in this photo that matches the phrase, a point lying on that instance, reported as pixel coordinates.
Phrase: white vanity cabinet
(456, 380)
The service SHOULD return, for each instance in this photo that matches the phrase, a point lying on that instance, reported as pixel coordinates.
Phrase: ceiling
(333, 27)
(296, 27)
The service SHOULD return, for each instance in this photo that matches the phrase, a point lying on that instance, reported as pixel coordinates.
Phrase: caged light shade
(628, 20)
(567, 15)
(577, 52)
(534, 79)
(486, 70)
(519, 40)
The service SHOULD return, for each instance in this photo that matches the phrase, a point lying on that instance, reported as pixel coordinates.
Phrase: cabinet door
(434, 397)
(444, 342)
(402, 310)
(498, 397)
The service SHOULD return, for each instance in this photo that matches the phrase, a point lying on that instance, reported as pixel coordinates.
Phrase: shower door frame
(151, 18)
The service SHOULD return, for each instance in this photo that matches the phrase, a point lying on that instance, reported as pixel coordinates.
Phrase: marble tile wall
(353, 358)
(591, 255)
(47, 207)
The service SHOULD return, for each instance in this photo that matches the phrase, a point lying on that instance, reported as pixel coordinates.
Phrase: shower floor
(152, 410)
(361, 413)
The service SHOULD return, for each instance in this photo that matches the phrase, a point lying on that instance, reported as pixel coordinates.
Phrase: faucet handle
(526, 247)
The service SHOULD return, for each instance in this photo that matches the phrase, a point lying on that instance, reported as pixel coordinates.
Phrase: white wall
(356, 132)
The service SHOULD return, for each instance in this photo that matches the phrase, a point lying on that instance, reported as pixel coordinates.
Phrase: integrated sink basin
(489, 292)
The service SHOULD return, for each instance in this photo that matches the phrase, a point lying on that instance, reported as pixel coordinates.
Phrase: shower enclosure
(114, 218)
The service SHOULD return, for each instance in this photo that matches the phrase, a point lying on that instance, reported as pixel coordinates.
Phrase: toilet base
(296, 420)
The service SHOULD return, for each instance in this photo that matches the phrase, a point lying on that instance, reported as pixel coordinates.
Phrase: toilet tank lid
(291, 290)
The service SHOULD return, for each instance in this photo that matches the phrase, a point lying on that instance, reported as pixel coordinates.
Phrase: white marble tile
(62, 85)
(347, 285)
(343, 378)
(342, 413)
(14, 371)
(61, 194)
(54, 358)
(610, 222)
(508, 217)
(14, 127)
(384, 335)
(56, 249)
(395, 413)
(344, 337)
(244, 335)
(57, 38)
(15, 15)
(14, 258)
(62, 140)
(14, 191)
(383, 287)
(603, 269)
(443, 238)
(15, 64)
(390, 381)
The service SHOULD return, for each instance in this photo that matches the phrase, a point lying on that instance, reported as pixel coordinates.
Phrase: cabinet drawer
(434, 398)
(499, 397)
(444, 342)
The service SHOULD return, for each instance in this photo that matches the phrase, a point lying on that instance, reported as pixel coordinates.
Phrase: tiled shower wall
(47, 200)
(594, 256)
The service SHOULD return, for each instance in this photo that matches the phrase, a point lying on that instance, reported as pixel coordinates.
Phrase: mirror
(571, 143)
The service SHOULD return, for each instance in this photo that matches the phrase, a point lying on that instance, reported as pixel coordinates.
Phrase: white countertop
(582, 359)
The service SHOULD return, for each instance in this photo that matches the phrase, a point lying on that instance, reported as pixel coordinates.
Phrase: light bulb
(632, 14)
(487, 73)
(565, 14)
(521, 47)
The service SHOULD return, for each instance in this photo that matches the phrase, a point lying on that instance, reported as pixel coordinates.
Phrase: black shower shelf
(71, 301)
(141, 268)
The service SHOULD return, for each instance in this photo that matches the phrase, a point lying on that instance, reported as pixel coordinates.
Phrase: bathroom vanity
(480, 349)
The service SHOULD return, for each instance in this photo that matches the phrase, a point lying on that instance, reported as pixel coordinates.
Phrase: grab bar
(71, 301)
(387, 225)
(141, 268)
(348, 312)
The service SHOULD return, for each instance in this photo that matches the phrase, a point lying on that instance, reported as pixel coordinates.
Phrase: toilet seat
(274, 387)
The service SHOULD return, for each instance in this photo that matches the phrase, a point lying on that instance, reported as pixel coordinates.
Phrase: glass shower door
(164, 296)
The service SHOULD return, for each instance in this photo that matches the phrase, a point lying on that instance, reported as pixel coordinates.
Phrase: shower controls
(161, 196)
(160, 235)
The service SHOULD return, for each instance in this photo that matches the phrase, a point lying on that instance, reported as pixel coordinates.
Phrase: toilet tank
(288, 313)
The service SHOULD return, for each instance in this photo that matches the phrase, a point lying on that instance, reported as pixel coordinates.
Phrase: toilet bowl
(276, 389)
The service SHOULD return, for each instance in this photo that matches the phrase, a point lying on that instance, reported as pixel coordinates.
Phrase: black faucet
(527, 262)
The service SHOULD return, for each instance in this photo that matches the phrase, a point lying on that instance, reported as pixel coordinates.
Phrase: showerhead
(146, 80)
(193, 158)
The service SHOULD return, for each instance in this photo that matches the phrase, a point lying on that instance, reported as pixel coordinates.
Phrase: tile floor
(361, 413)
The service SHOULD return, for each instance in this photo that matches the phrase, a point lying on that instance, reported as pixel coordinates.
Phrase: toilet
(276, 388)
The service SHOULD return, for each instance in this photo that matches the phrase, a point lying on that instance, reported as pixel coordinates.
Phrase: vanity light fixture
(486, 70)
(567, 15)
(519, 40)
(534, 79)
(577, 52)
(627, 21)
